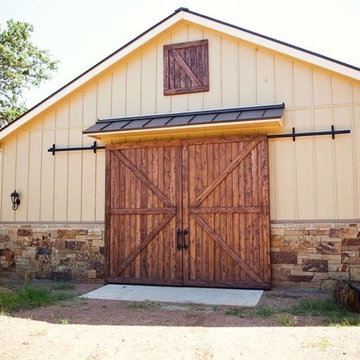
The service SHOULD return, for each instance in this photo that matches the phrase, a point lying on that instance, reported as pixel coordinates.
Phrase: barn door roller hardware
(294, 134)
(93, 147)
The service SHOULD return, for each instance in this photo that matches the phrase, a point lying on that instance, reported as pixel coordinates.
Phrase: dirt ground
(98, 329)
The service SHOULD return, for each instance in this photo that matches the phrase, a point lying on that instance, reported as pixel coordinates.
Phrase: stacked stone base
(303, 255)
(314, 255)
(52, 251)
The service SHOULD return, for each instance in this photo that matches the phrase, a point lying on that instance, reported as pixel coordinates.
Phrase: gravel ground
(98, 329)
(29, 339)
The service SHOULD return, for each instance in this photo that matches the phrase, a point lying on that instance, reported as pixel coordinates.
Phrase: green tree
(22, 65)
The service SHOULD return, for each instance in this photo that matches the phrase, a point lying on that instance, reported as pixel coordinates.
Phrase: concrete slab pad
(183, 295)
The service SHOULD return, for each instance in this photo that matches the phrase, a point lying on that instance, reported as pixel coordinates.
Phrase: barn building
(200, 153)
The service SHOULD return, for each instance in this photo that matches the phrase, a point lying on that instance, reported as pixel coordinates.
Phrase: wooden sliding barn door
(143, 190)
(226, 212)
(192, 212)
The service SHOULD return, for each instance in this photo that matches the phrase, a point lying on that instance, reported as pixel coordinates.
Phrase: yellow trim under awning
(191, 129)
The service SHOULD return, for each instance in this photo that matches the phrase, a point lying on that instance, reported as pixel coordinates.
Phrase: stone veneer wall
(52, 251)
(314, 255)
(303, 255)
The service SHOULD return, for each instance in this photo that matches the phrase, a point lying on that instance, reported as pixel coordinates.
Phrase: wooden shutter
(186, 68)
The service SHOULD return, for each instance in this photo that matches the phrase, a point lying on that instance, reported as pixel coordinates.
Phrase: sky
(79, 33)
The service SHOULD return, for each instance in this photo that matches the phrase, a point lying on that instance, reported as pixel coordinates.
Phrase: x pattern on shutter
(186, 68)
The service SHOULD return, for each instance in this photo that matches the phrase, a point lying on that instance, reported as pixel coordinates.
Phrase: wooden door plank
(222, 225)
(179, 255)
(108, 197)
(210, 199)
(235, 228)
(160, 242)
(143, 222)
(226, 248)
(204, 248)
(185, 179)
(169, 188)
(217, 248)
(229, 217)
(224, 174)
(137, 262)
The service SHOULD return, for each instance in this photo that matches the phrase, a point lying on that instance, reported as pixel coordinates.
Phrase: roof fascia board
(272, 44)
(87, 76)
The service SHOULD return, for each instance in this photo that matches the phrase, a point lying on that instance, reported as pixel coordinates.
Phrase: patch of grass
(139, 305)
(29, 297)
(264, 311)
(233, 312)
(347, 320)
(287, 320)
(200, 308)
(64, 286)
(64, 321)
(74, 303)
(315, 308)
(334, 314)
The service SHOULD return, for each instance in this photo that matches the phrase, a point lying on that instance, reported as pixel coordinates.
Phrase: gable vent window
(186, 67)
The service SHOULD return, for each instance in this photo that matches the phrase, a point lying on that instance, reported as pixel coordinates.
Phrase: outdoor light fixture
(15, 200)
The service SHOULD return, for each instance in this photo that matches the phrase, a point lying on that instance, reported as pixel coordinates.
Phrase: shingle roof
(240, 114)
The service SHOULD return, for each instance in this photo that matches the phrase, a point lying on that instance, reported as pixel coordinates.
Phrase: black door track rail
(93, 147)
(293, 135)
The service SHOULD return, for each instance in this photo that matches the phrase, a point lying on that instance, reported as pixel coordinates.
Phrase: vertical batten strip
(126, 89)
(313, 143)
(54, 167)
(256, 75)
(82, 155)
(16, 161)
(334, 152)
(28, 175)
(353, 142)
(41, 166)
(296, 200)
(95, 157)
(111, 93)
(67, 164)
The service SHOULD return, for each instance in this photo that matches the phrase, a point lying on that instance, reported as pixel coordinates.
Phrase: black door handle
(178, 239)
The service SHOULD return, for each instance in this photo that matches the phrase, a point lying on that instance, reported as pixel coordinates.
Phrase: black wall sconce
(15, 200)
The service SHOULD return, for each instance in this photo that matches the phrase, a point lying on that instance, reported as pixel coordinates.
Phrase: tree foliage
(22, 65)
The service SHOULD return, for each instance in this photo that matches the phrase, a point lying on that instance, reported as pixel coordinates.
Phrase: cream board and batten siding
(312, 179)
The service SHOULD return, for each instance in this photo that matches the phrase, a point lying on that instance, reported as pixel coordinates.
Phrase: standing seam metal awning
(205, 117)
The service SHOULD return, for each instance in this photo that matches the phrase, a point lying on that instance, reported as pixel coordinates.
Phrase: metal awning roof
(205, 117)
